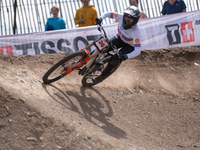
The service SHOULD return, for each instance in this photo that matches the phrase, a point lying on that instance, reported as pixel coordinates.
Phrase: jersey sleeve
(137, 44)
(113, 15)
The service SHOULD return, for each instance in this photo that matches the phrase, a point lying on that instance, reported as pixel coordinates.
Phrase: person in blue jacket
(173, 7)
(55, 22)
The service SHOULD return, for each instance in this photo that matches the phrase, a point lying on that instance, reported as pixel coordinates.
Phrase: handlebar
(103, 32)
(101, 29)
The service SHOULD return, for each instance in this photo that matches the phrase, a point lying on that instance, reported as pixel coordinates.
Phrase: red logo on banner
(187, 32)
(6, 50)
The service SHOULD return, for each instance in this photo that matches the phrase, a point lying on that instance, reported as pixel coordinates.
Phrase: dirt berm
(152, 102)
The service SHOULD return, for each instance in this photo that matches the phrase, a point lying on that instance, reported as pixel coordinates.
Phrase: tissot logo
(187, 33)
(48, 47)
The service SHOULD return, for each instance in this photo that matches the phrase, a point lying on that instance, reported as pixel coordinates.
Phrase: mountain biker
(128, 38)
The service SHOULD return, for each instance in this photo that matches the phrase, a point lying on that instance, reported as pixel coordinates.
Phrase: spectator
(85, 15)
(173, 6)
(55, 22)
(135, 3)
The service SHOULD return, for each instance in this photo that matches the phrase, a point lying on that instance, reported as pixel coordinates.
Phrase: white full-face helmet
(134, 14)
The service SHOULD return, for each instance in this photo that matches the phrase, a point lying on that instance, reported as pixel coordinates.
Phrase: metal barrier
(27, 16)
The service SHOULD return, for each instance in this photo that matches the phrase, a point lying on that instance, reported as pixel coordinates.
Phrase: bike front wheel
(58, 71)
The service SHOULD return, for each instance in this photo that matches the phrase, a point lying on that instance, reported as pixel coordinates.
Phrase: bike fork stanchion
(79, 64)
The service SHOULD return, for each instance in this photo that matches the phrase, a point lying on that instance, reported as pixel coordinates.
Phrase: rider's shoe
(98, 63)
(97, 79)
(82, 70)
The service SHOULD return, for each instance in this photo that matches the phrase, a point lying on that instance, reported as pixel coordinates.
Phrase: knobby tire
(59, 65)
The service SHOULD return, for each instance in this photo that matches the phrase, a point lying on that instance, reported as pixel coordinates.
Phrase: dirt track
(151, 102)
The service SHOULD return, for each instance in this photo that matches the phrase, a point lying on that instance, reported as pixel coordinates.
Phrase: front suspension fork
(82, 62)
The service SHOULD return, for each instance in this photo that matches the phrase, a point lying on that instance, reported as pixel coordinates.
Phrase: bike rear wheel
(96, 71)
(58, 71)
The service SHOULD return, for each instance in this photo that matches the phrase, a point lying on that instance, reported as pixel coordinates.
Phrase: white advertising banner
(176, 30)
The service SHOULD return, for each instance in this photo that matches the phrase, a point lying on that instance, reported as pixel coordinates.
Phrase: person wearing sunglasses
(135, 3)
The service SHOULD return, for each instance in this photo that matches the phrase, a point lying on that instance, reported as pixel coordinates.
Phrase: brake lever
(99, 28)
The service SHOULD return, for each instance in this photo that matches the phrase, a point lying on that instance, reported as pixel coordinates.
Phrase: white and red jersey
(130, 36)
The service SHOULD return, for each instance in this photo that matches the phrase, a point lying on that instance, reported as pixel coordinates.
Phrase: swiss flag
(187, 32)
(6, 50)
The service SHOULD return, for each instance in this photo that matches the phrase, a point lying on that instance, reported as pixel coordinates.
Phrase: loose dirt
(150, 103)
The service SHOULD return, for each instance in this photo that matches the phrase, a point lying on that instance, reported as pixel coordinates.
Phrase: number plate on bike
(101, 44)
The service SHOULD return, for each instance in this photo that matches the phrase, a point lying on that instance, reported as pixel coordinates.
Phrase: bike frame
(90, 58)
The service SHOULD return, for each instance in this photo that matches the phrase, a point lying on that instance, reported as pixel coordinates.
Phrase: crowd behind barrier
(175, 30)
(22, 16)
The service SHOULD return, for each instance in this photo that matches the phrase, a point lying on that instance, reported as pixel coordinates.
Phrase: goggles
(134, 3)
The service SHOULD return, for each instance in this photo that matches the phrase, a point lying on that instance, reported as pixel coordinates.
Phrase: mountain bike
(89, 64)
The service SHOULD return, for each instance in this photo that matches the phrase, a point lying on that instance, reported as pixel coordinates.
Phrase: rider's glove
(122, 56)
(98, 20)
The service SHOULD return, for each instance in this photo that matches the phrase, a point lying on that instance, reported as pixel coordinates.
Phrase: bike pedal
(98, 63)
(82, 70)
